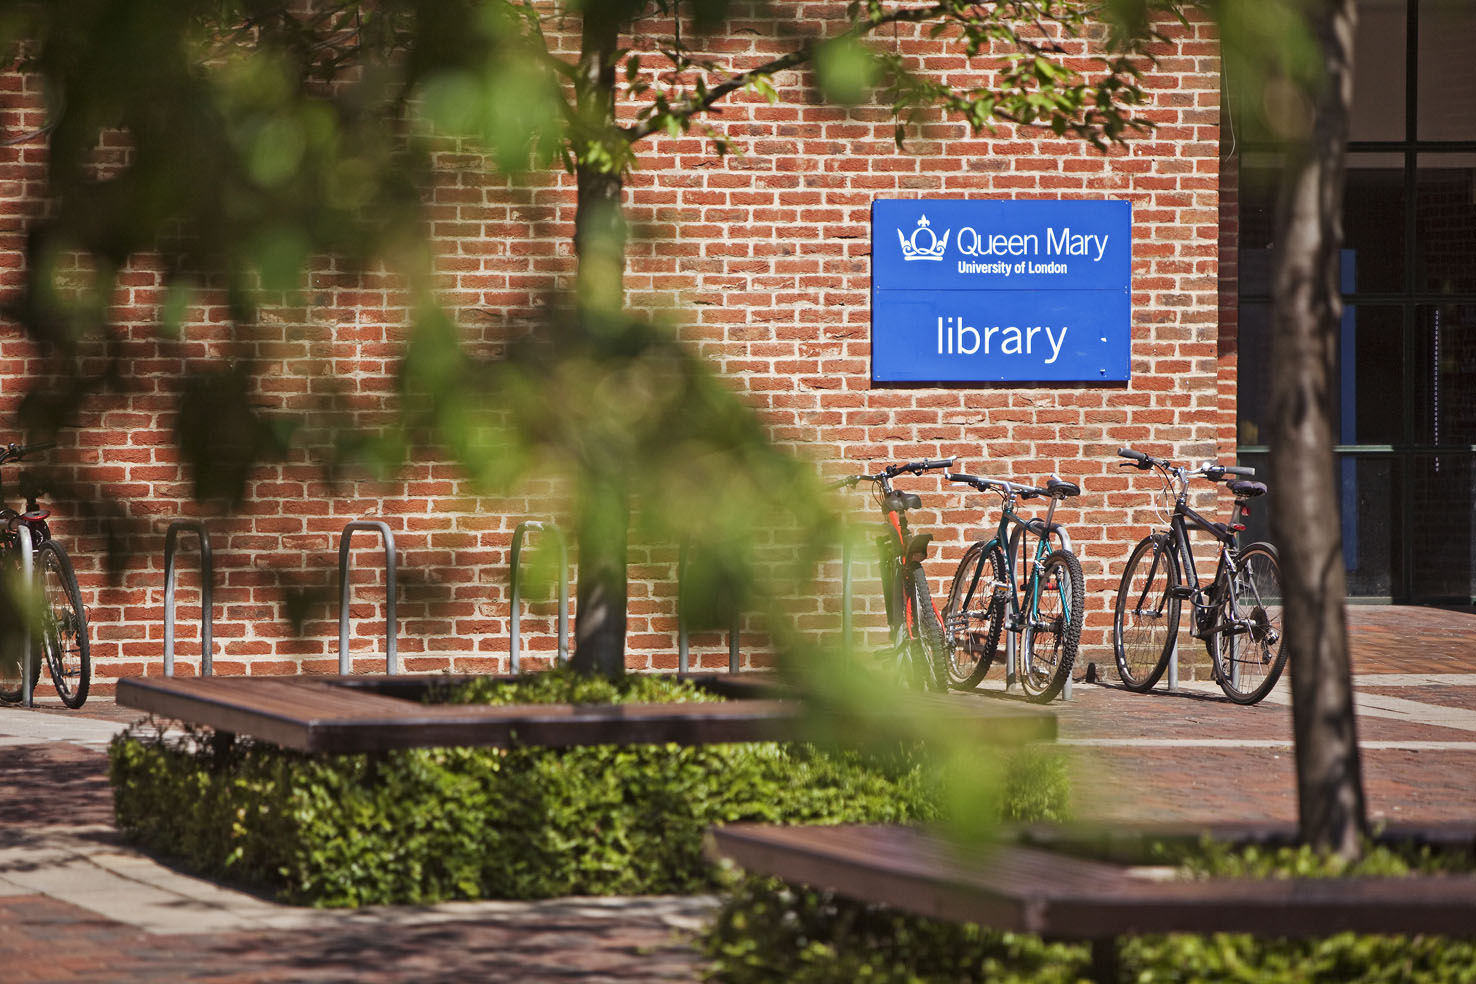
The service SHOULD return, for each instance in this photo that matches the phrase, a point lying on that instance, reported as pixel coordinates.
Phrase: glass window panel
(1378, 79)
(1253, 374)
(1442, 536)
(1366, 508)
(1447, 87)
(1445, 223)
(1259, 175)
(1369, 391)
(1373, 222)
(1445, 375)
(1368, 512)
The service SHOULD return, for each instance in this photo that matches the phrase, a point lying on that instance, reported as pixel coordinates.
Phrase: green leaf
(846, 71)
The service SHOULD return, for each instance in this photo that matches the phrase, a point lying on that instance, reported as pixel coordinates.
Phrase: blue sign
(985, 291)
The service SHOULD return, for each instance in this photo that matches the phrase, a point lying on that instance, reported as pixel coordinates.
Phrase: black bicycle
(54, 622)
(913, 622)
(1045, 608)
(1237, 614)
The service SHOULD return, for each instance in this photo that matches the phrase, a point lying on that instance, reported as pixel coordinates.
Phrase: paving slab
(78, 904)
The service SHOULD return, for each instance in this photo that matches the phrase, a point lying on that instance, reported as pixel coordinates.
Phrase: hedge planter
(428, 824)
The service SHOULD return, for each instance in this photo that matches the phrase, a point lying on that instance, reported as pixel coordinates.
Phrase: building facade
(764, 257)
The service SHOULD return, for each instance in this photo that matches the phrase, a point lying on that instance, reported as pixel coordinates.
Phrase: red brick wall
(763, 256)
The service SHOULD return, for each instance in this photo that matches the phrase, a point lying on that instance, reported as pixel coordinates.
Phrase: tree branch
(693, 106)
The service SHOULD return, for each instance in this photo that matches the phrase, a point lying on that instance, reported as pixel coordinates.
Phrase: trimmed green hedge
(432, 824)
(769, 931)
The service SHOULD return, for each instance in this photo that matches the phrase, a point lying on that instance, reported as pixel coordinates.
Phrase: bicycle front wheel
(1055, 609)
(62, 641)
(1248, 654)
(932, 654)
(972, 620)
(1145, 619)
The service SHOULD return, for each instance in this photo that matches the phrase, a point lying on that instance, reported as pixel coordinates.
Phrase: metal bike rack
(207, 608)
(682, 654)
(28, 566)
(515, 623)
(389, 590)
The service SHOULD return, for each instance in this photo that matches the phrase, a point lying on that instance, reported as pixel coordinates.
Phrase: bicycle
(1047, 606)
(1237, 615)
(58, 631)
(913, 623)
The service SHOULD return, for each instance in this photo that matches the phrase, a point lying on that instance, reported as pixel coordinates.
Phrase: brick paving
(1184, 756)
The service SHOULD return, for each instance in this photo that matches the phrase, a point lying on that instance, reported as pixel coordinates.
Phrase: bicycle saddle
(1057, 489)
(1244, 489)
(898, 501)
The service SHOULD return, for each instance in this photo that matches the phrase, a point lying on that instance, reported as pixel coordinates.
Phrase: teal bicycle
(1045, 608)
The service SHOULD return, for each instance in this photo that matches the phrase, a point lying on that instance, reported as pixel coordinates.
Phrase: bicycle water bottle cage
(1246, 490)
(1057, 489)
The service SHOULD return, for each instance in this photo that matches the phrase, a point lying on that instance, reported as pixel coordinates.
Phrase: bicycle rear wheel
(1248, 654)
(62, 641)
(972, 621)
(1145, 619)
(1053, 626)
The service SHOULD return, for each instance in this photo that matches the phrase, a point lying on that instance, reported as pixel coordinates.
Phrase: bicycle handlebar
(892, 471)
(918, 467)
(15, 452)
(995, 485)
(1141, 460)
(1209, 470)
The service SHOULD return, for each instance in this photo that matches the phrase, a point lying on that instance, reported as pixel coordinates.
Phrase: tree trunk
(599, 242)
(1305, 524)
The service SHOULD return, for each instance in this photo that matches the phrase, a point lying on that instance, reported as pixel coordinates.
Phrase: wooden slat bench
(370, 714)
(1055, 894)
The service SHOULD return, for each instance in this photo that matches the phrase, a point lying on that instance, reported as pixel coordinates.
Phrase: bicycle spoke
(1249, 658)
(1146, 618)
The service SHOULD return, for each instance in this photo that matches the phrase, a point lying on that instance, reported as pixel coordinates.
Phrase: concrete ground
(76, 904)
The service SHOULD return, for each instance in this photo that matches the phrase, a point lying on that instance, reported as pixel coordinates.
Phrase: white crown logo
(932, 251)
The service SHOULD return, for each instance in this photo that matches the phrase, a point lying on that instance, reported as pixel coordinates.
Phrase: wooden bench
(1055, 894)
(339, 714)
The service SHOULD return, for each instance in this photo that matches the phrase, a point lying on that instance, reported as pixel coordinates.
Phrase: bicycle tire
(1143, 639)
(972, 635)
(62, 641)
(929, 623)
(1060, 609)
(1249, 663)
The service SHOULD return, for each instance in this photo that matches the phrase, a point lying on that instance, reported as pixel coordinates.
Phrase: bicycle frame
(899, 551)
(1181, 547)
(1010, 542)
